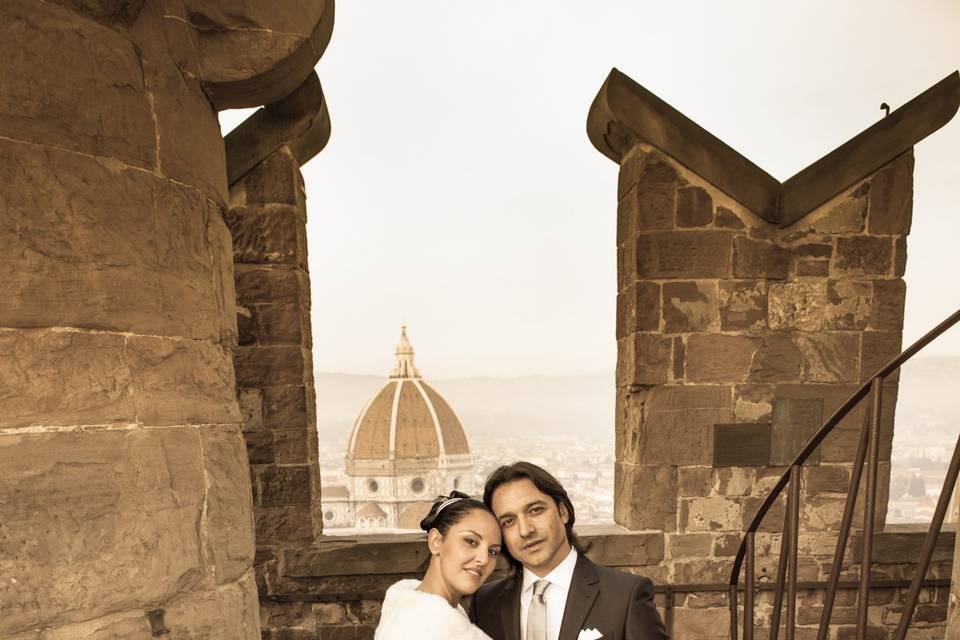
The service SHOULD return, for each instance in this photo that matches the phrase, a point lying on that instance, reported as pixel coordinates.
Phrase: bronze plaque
(794, 421)
(741, 445)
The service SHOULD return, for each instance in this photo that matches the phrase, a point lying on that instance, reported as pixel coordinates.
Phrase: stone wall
(333, 589)
(726, 319)
(274, 367)
(124, 487)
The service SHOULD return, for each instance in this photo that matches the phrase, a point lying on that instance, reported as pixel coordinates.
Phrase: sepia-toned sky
(459, 192)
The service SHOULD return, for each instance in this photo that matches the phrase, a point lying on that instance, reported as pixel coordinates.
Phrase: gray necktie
(537, 613)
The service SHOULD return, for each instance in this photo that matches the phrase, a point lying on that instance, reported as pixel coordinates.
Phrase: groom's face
(532, 524)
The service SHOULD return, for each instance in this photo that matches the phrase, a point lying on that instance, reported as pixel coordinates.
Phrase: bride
(464, 541)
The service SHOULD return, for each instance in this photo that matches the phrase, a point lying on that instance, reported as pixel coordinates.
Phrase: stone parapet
(333, 588)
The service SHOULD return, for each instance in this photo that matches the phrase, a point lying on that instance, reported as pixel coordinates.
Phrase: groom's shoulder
(619, 579)
(495, 588)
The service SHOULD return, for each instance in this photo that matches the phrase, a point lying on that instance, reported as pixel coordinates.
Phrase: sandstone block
(679, 359)
(809, 268)
(889, 297)
(849, 304)
(778, 359)
(643, 358)
(758, 259)
(694, 207)
(276, 180)
(690, 306)
(190, 143)
(228, 612)
(291, 446)
(822, 512)
(286, 407)
(678, 423)
(228, 546)
(284, 323)
(131, 625)
(638, 308)
(710, 514)
(899, 256)
(656, 194)
(263, 366)
(631, 168)
(772, 522)
(119, 508)
(275, 525)
(829, 357)
(689, 545)
(877, 348)
(742, 305)
(268, 235)
(181, 381)
(844, 214)
(271, 284)
(863, 256)
(63, 378)
(797, 305)
(694, 481)
(727, 219)
(259, 446)
(720, 358)
(285, 486)
(683, 254)
(704, 624)
(752, 402)
(250, 402)
(822, 478)
(246, 325)
(90, 98)
(645, 497)
(126, 271)
(702, 571)
(626, 264)
(817, 250)
(891, 197)
(735, 481)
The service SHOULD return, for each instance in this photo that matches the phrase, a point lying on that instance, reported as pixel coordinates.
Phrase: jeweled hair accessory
(446, 503)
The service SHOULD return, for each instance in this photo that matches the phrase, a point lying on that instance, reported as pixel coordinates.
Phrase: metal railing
(868, 450)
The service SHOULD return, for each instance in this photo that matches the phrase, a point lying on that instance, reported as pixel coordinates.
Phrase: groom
(556, 593)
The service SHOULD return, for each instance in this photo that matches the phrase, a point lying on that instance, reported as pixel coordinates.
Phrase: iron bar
(749, 588)
(794, 520)
(869, 505)
(831, 423)
(732, 596)
(781, 577)
(926, 552)
(849, 507)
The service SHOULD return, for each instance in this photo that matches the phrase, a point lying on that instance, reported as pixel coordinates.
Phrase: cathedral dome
(406, 420)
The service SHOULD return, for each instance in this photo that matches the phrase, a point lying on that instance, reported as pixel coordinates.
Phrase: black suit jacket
(619, 605)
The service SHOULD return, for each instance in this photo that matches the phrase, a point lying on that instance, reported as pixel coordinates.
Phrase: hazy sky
(459, 192)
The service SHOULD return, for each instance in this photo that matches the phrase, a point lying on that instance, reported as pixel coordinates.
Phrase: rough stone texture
(273, 364)
(749, 315)
(701, 560)
(124, 482)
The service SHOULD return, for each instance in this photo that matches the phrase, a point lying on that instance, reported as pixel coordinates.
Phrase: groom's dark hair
(545, 483)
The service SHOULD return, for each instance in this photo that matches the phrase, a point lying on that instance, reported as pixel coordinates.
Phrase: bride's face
(467, 554)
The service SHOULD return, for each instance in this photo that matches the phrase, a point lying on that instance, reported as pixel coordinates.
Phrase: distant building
(407, 446)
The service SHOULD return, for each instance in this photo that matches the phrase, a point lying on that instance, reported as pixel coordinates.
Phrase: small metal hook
(886, 109)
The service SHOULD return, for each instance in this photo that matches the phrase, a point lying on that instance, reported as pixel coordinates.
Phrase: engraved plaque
(741, 445)
(794, 421)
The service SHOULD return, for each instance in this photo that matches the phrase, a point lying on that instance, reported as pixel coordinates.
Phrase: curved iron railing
(867, 451)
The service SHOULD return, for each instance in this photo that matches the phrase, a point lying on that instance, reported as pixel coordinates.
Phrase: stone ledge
(624, 114)
(610, 545)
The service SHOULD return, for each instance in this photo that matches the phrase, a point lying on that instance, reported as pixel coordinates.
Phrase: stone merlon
(625, 114)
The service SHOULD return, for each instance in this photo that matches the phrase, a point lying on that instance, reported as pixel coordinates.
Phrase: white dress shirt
(555, 595)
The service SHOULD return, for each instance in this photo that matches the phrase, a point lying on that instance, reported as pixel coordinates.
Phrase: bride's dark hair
(447, 510)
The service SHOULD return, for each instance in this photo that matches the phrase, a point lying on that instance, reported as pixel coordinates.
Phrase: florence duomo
(406, 447)
(682, 279)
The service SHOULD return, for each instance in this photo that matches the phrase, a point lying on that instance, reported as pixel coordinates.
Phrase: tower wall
(274, 365)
